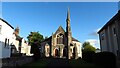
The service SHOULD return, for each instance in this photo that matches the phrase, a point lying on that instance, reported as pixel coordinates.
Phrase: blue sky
(46, 17)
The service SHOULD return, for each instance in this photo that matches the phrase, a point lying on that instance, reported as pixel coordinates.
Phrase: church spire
(68, 15)
(69, 34)
(68, 28)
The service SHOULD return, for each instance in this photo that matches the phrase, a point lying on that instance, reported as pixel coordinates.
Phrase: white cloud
(94, 32)
(94, 42)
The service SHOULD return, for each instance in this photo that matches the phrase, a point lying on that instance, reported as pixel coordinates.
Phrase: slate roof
(47, 39)
(73, 39)
(7, 23)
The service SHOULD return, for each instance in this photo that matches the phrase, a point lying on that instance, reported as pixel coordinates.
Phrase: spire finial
(68, 14)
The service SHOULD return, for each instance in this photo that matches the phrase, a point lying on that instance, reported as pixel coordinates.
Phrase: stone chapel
(61, 44)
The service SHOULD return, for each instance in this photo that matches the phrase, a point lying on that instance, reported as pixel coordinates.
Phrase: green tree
(34, 39)
(85, 44)
(87, 47)
(46, 37)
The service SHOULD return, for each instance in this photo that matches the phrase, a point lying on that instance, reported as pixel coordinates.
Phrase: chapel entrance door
(64, 52)
(56, 52)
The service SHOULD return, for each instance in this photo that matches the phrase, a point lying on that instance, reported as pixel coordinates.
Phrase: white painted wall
(6, 32)
(79, 51)
(25, 48)
(47, 53)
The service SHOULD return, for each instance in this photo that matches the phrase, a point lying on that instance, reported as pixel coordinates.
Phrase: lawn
(80, 64)
(42, 63)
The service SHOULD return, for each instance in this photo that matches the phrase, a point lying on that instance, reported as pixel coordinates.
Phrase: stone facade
(61, 44)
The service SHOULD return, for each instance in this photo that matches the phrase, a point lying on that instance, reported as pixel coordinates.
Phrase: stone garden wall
(14, 62)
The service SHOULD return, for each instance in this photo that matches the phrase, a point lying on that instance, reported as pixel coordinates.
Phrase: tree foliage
(35, 37)
(46, 37)
(87, 47)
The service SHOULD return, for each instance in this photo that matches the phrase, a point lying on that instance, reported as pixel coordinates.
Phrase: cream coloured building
(109, 35)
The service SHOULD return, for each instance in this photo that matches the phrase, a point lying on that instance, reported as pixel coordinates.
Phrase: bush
(88, 56)
(105, 59)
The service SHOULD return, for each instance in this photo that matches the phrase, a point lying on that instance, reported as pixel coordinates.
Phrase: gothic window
(60, 39)
(47, 50)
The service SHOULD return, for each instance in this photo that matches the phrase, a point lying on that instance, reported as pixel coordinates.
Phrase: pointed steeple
(68, 28)
(69, 34)
(68, 15)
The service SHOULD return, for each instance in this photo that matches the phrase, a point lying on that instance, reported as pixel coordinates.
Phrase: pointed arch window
(60, 38)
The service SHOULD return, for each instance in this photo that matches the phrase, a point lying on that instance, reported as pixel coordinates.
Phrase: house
(19, 45)
(109, 35)
(6, 31)
(10, 41)
(61, 44)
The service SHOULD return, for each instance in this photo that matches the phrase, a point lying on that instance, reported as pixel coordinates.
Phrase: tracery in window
(60, 38)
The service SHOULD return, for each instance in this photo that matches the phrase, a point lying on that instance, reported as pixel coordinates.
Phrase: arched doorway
(56, 52)
(65, 52)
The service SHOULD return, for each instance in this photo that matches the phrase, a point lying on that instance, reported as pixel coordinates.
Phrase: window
(5, 42)
(48, 50)
(0, 28)
(102, 36)
(114, 31)
(60, 39)
(8, 43)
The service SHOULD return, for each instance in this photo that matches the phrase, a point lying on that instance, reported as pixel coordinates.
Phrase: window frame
(60, 39)
(102, 36)
(114, 31)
